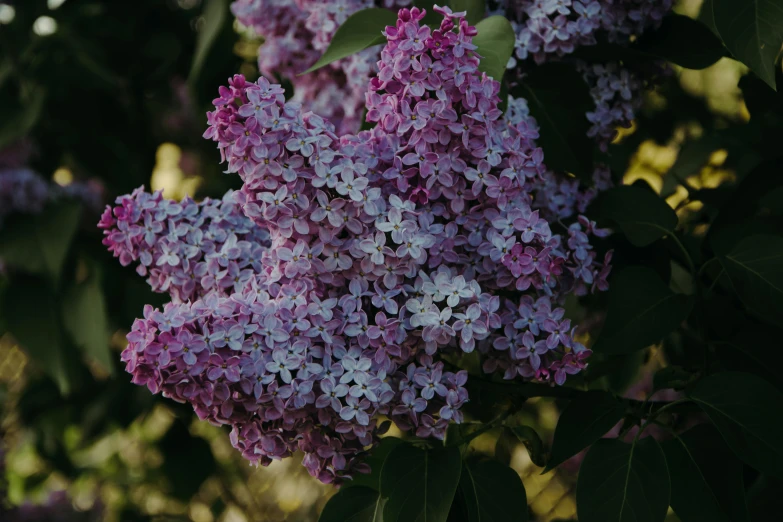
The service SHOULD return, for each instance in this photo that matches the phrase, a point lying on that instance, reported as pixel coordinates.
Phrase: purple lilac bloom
(354, 269)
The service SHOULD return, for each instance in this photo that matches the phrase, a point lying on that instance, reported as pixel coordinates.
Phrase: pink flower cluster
(387, 250)
(296, 33)
(187, 249)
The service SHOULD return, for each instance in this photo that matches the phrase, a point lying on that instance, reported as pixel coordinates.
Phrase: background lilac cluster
(296, 33)
(549, 30)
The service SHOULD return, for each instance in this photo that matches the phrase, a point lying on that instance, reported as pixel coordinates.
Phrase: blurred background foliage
(117, 91)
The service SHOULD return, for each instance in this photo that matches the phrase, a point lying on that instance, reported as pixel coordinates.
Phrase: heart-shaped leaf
(585, 420)
(492, 492)
(623, 482)
(495, 41)
(706, 477)
(754, 267)
(361, 30)
(753, 31)
(420, 484)
(642, 311)
(745, 409)
(354, 504)
(639, 213)
(558, 98)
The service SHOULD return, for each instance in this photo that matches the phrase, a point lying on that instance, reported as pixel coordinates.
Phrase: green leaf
(754, 267)
(38, 244)
(216, 14)
(642, 310)
(22, 117)
(585, 420)
(85, 319)
(671, 377)
(703, 48)
(639, 213)
(361, 30)
(753, 31)
(533, 443)
(354, 504)
(752, 350)
(495, 42)
(420, 484)
(706, 477)
(474, 9)
(32, 316)
(558, 98)
(745, 409)
(492, 492)
(375, 460)
(623, 482)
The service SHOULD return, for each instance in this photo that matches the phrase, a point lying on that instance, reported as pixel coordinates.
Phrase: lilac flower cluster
(557, 27)
(551, 29)
(387, 250)
(616, 93)
(22, 191)
(25, 192)
(296, 34)
(187, 249)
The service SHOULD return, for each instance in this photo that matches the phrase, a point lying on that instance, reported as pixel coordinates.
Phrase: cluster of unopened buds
(359, 261)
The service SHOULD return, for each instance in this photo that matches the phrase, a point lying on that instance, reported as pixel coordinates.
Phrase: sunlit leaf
(495, 42)
(361, 30)
(216, 14)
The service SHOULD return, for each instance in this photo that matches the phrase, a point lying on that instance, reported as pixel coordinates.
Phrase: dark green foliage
(623, 482)
(742, 407)
(753, 31)
(492, 492)
(585, 420)
(420, 483)
(642, 310)
(558, 98)
(355, 504)
(706, 478)
(641, 215)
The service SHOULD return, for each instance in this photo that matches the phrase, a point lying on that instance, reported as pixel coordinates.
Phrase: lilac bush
(370, 257)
